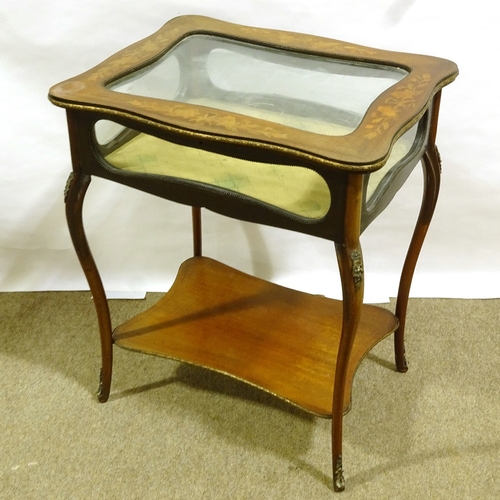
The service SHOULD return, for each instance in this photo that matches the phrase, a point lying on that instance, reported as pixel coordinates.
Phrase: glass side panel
(400, 150)
(296, 190)
(313, 93)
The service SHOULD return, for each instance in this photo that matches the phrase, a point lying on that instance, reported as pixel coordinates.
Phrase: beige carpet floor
(171, 431)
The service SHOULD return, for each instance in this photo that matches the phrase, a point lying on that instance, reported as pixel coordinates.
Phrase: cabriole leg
(74, 195)
(432, 174)
(352, 276)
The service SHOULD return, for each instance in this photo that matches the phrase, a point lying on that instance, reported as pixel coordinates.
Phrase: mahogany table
(289, 130)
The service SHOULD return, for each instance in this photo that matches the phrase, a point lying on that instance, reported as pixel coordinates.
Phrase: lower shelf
(275, 338)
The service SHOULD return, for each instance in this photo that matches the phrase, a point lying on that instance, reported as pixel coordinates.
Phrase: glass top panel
(312, 93)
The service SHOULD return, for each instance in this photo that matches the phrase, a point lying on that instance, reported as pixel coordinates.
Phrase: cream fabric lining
(294, 189)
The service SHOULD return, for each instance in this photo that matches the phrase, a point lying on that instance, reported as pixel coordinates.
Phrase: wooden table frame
(344, 163)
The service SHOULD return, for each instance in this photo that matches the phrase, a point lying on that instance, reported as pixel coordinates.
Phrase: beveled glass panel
(400, 151)
(296, 190)
(314, 93)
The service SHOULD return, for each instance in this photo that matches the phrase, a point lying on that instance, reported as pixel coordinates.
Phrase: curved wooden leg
(431, 163)
(74, 195)
(352, 276)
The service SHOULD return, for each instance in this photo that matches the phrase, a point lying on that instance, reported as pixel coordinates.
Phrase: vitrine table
(294, 131)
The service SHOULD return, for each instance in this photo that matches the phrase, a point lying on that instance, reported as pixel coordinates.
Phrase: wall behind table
(139, 241)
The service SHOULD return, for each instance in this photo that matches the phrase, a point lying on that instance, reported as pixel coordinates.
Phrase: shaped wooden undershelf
(275, 338)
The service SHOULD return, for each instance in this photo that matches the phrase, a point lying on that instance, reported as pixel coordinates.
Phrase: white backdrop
(139, 241)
